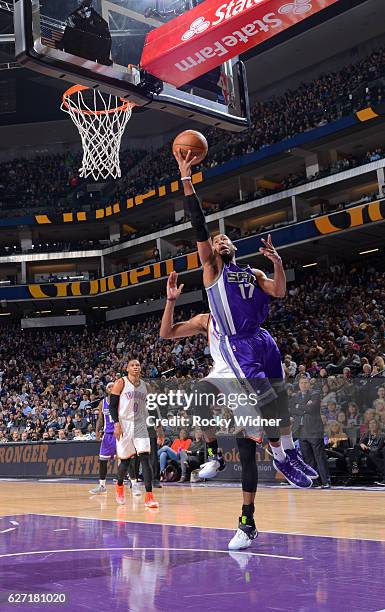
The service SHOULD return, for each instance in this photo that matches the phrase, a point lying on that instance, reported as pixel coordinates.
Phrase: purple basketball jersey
(237, 303)
(108, 422)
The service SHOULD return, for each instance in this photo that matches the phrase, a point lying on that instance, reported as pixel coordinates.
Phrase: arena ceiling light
(72, 310)
(5, 314)
(310, 265)
(367, 252)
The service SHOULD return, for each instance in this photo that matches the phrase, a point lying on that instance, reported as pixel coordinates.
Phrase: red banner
(208, 35)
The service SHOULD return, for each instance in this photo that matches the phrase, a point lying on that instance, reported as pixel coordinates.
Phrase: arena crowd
(36, 183)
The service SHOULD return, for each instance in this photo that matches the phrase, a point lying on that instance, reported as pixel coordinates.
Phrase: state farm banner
(52, 460)
(210, 34)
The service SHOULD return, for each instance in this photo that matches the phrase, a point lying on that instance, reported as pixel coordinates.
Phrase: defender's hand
(184, 163)
(118, 431)
(270, 251)
(173, 291)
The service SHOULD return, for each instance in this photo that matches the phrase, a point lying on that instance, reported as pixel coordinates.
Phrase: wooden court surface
(335, 513)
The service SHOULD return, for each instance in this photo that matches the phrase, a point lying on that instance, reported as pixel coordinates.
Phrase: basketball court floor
(316, 550)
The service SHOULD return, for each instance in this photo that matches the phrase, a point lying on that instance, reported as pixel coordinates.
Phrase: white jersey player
(129, 413)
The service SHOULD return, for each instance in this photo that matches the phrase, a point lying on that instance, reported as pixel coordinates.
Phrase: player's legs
(122, 473)
(273, 370)
(133, 471)
(206, 395)
(107, 452)
(249, 357)
(247, 530)
(125, 449)
(143, 449)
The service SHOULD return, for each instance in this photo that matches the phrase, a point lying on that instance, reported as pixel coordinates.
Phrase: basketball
(193, 141)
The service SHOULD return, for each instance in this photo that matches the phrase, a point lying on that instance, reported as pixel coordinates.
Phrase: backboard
(99, 43)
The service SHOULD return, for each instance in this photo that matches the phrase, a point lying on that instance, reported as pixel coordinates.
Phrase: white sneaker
(98, 490)
(209, 469)
(244, 535)
(240, 541)
(136, 490)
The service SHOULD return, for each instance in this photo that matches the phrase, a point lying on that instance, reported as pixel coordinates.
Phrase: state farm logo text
(243, 34)
(233, 8)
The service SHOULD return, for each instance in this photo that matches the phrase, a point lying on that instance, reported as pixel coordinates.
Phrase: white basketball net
(101, 120)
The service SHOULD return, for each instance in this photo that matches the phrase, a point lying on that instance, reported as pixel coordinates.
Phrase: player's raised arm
(168, 330)
(198, 221)
(276, 286)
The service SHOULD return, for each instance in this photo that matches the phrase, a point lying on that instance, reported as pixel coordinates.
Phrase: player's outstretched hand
(269, 250)
(173, 291)
(184, 163)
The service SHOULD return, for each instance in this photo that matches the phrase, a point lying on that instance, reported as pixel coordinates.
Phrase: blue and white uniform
(225, 381)
(108, 445)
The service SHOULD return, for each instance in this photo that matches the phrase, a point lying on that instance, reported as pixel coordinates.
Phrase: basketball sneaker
(296, 459)
(215, 464)
(136, 490)
(98, 490)
(149, 501)
(120, 495)
(244, 535)
(293, 475)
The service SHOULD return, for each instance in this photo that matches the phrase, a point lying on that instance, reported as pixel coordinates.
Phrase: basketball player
(108, 445)
(219, 376)
(239, 303)
(129, 414)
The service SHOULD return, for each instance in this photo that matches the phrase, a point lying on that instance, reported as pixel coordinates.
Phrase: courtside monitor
(99, 43)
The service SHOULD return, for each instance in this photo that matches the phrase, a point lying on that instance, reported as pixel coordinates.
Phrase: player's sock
(122, 471)
(212, 448)
(102, 470)
(247, 517)
(147, 471)
(287, 442)
(278, 453)
(102, 483)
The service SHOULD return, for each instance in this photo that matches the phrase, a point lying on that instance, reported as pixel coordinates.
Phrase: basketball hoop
(101, 120)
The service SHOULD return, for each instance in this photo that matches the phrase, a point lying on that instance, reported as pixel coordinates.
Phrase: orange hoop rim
(77, 88)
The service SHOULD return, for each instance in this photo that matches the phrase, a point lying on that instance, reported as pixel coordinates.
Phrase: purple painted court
(110, 565)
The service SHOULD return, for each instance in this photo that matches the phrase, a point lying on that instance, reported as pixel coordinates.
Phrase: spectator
(192, 458)
(172, 453)
(80, 423)
(78, 435)
(371, 446)
(69, 425)
(337, 435)
(331, 411)
(353, 418)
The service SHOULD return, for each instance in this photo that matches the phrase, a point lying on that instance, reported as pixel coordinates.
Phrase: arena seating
(29, 186)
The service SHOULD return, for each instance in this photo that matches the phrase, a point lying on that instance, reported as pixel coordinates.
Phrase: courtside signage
(205, 37)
